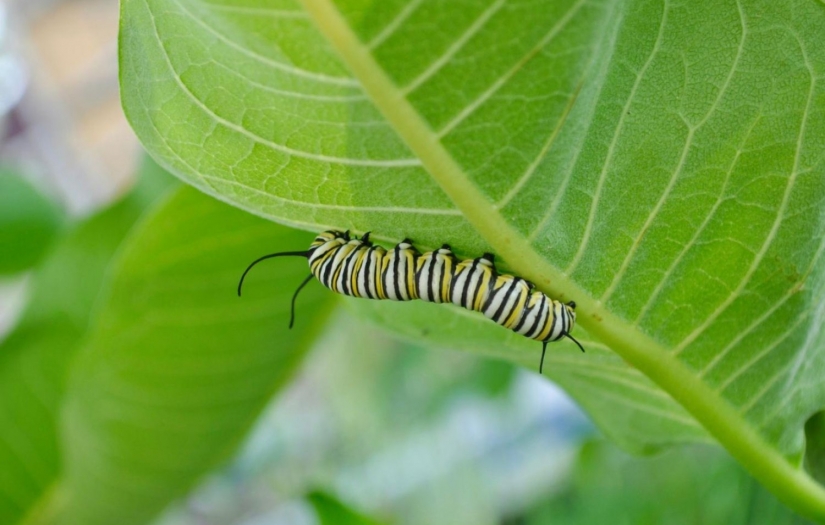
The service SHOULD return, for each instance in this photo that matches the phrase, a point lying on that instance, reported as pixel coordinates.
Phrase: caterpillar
(359, 268)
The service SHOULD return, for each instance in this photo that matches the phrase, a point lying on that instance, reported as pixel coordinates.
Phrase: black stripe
(471, 290)
(410, 264)
(449, 270)
(348, 269)
(538, 321)
(566, 320)
(336, 274)
(346, 266)
(490, 298)
(487, 279)
(553, 325)
(375, 274)
(342, 274)
(422, 294)
(328, 269)
(504, 301)
(322, 265)
(467, 285)
(435, 278)
(524, 310)
(423, 291)
(397, 269)
(453, 282)
(364, 271)
(431, 281)
(361, 281)
(515, 295)
(388, 272)
(385, 272)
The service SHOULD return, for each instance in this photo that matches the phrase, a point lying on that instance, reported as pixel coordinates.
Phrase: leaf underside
(664, 158)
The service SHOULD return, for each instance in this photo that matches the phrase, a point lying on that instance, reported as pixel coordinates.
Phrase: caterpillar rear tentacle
(358, 268)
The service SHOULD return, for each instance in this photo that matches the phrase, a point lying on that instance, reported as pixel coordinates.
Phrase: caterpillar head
(327, 236)
(571, 311)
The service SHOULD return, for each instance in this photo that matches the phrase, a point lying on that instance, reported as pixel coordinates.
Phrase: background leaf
(627, 486)
(29, 222)
(659, 163)
(35, 356)
(177, 367)
(330, 511)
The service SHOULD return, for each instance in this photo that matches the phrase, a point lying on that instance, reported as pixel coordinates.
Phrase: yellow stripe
(411, 263)
(548, 323)
(379, 272)
(518, 307)
(316, 269)
(359, 262)
(337, 271)
(446, 278)
(484, 288)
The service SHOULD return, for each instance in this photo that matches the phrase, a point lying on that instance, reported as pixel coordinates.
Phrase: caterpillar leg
(295, 296)
(543, 350)
(574, 340)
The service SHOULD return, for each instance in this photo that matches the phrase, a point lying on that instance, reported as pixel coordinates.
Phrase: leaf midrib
(764, 462)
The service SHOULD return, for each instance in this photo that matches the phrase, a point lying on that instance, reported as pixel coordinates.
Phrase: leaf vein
(286, 68)
(611, 150)
(260, 140)
(394, 24)
(681, 163)
(474, 28)
(780, 214)
(500, 81)
(545, 219)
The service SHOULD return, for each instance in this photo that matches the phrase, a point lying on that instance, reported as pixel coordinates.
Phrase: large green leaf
(661, 164)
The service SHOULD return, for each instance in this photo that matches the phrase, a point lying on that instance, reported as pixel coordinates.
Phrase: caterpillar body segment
(433, 275)
(398, 276)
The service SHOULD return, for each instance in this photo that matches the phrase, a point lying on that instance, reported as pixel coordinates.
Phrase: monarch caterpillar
(359, 268)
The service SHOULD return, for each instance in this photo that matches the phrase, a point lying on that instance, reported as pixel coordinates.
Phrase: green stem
(791, 485)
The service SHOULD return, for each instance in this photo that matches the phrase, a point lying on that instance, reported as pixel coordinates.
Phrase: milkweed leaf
(659, 163)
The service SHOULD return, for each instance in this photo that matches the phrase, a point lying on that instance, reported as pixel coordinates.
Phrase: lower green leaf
(624, 403)
(331, 511)
(35, 356)
(178, 367)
